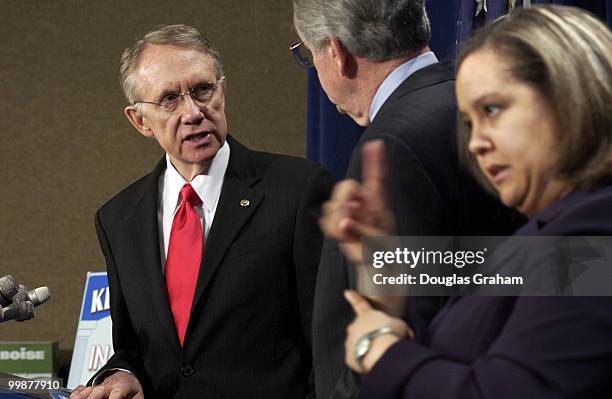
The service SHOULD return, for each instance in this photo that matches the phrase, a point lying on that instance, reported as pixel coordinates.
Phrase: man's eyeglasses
(202, 94)
(302, 55)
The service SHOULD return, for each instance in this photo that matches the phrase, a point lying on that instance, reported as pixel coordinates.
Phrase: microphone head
(22, 293)
(39, 295)
(8, 289)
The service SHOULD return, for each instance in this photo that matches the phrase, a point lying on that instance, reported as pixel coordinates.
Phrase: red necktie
(184, 256)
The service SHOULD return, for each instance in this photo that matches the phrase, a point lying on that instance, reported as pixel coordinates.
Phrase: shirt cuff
(100, 377)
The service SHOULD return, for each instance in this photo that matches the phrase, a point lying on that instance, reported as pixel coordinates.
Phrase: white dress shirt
(207, 186)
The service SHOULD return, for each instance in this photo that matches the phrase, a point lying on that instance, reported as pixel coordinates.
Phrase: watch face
(361, 348)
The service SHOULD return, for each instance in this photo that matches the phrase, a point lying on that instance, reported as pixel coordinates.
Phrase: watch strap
(363, 344)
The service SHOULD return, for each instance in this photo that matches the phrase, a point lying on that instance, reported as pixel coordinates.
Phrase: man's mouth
(197, 137)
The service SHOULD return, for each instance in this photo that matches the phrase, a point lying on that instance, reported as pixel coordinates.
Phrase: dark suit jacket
(430, 195)
(249, 331)
(508, 347)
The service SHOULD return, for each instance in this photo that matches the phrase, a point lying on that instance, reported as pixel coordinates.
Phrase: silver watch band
(362, 346)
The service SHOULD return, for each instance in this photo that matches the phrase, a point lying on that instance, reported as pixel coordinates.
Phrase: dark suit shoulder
(290, 171)
(418, 119)
(581, 213)
(297, 166)
(426, 115)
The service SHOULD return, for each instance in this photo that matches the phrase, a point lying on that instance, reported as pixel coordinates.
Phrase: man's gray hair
(377, 30)
(175, 35)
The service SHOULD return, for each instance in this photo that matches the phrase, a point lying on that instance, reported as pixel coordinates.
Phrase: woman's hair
(565, 54)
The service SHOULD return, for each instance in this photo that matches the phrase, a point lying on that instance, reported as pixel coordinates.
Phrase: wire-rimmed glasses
(302, 55)
(201, 93)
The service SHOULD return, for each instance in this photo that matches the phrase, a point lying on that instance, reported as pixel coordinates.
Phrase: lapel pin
(244, 202)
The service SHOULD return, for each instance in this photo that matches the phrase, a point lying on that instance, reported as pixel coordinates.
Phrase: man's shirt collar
(207, 186)
(396, 77)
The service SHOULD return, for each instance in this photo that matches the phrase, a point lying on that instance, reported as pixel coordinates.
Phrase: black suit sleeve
(307, 248)
(332, 314)
(125, 341)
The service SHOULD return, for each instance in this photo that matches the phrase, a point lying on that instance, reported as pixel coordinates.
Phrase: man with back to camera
(374, 63)
(212, 257)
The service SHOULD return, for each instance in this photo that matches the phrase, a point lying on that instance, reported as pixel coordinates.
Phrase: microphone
(8, 289)
(22, 310)
(22, 307)
(39, 295)
(22, 294)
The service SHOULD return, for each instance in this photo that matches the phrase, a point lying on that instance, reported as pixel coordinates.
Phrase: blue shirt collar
(396, 77)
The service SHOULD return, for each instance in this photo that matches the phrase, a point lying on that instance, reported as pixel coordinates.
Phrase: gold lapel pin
(245, 202)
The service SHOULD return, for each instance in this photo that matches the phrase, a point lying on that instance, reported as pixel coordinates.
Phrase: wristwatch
(362, 346)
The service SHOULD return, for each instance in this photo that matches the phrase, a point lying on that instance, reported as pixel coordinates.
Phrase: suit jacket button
(187, 371)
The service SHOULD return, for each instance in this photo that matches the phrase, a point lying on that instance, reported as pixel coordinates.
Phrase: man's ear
(137, 120)
(341, 57)
(219, 95)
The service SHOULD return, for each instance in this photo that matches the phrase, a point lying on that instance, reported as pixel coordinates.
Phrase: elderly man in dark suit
(374, 63)
(212, 257)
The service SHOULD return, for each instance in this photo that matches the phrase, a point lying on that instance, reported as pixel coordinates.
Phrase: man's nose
(192, 113)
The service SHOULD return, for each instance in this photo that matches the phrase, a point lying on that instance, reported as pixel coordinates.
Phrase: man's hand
(369, 319)
(356, 210)
(119, 385)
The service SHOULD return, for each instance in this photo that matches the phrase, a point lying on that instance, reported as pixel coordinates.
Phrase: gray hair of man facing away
(377, 30)
(173, 35)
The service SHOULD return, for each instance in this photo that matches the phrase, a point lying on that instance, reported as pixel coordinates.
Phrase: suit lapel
(239, 199)
(143, 229)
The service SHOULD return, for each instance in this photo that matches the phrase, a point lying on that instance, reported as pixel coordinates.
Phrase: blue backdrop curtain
(332, 136)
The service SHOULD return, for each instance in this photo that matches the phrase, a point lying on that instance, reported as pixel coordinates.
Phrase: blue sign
(96, 305)
(93, 345)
